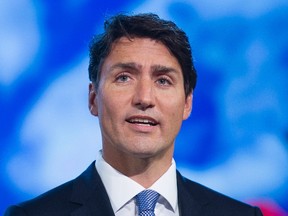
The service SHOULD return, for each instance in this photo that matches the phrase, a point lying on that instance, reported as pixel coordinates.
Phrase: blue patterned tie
(146, 201)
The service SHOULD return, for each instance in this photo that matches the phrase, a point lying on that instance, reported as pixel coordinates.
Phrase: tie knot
(146, 201)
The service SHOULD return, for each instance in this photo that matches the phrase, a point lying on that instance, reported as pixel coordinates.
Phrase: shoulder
(45, 204)
(58, 201)
(212, 202)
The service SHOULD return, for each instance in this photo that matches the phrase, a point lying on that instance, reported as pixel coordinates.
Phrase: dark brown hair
(143, 26)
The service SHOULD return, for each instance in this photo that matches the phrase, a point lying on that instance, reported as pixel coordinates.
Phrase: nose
(144, 95)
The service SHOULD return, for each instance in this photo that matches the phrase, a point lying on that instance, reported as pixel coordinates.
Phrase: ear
(93, 100)
(188, 106)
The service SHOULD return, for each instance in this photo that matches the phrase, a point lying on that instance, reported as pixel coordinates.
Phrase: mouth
(142, 120)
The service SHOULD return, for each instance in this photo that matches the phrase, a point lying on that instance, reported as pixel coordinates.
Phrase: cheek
(173, 115)
(106, 116)
(109, 108)
(105, 107)
(175, 107)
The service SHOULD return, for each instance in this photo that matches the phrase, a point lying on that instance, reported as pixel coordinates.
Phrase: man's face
(140, 100)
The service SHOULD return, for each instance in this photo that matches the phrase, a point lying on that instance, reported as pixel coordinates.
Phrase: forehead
(142, 50)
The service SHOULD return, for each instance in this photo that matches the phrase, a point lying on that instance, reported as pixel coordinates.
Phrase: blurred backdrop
(235, 141)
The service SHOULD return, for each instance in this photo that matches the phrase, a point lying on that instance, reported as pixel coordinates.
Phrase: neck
(144, 170)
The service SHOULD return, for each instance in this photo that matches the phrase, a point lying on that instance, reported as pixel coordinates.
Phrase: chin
(149, 153)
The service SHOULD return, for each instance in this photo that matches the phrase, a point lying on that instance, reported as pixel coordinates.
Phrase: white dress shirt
(122, 190)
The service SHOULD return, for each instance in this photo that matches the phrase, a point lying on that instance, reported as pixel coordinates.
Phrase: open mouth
(143, 121)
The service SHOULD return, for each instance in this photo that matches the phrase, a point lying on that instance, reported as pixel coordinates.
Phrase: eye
(122, 78)
(164, 81)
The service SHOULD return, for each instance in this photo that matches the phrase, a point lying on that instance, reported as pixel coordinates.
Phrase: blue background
(236, 140)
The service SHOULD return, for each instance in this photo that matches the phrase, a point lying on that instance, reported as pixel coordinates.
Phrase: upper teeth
(144, 121)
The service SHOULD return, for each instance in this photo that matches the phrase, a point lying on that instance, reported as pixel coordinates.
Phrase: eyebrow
(163, 69)
(126, 65)
(135, 67)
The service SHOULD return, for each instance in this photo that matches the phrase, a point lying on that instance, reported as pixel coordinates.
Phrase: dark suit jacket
(86, 195)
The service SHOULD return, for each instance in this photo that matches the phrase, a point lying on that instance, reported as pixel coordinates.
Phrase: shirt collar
(121, 189)
(166, 186)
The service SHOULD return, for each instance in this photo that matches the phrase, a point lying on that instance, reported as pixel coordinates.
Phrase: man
(142, 81)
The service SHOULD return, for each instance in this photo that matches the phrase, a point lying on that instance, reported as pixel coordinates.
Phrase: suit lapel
(90, 193)
(188, 204)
